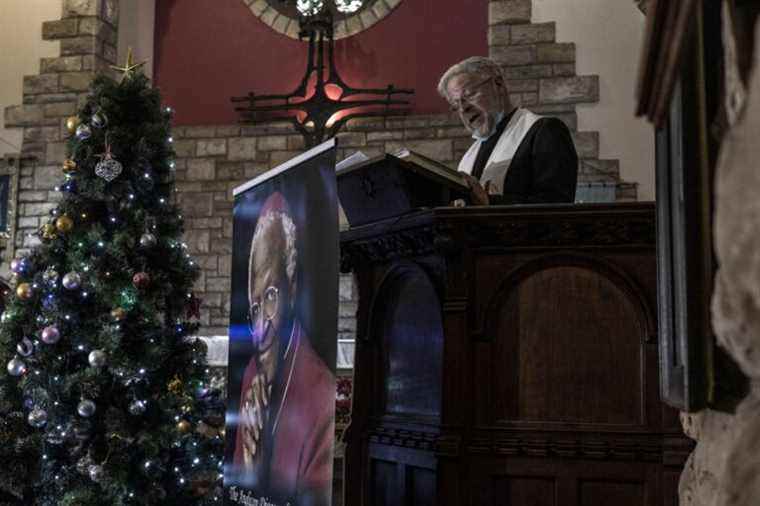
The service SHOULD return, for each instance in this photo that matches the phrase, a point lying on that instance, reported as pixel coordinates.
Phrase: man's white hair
(476, 65)
(289, 253)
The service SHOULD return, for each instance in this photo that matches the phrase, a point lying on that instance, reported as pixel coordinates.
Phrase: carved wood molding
(555, 230)
(563, 233)
(670, 450)
(579, 446)
(403, 438)
(408, 243)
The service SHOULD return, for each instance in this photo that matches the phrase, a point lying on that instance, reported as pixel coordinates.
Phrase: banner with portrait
(283, 335)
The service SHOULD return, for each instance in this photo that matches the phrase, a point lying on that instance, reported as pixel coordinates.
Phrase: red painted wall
(208, 51)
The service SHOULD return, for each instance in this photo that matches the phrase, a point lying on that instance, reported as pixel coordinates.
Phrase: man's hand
(252, 418)
(478, 193)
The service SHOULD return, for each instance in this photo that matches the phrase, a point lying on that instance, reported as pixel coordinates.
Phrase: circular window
(351, 16)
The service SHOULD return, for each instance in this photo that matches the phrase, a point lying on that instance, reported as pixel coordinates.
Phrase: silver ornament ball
(16, 367)
(86, 408)
(137, 407)
(50, 335)
(96, 472)
(97, 358)
(83, 132)
(72, 280)
(99, 120)
(37, 418)
(148, 240)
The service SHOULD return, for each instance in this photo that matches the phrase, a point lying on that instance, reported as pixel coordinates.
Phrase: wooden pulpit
(508, 356)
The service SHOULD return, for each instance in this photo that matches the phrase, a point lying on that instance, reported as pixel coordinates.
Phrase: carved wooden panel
(407, 319)
(540, 327)
(619, 493)
(573, 341)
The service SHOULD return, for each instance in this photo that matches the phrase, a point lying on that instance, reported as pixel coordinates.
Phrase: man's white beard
(494, 120)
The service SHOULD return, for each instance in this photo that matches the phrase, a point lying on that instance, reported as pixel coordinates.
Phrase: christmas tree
(106, 400)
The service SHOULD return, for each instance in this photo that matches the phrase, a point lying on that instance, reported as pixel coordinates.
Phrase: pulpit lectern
(508, 356)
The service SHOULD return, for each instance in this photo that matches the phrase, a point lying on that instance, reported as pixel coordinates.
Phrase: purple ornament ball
(50, 335)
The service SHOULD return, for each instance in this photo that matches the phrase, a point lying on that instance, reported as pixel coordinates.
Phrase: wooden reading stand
(508, 356)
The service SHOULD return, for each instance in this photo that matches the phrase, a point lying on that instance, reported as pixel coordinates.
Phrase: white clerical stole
(498, 163)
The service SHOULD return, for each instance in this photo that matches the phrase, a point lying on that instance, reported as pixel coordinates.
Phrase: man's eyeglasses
(265, 308)
(468, 95)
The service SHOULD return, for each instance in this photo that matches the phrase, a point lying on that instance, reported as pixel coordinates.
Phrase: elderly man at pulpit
(518, 157)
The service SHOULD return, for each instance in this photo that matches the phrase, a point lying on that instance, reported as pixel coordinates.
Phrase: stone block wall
(541, 75)
(212, 160)
(87, 35)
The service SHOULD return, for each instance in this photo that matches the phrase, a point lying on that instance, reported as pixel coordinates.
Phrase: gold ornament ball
(64, 224)
(184, 426)
(118, 313)
(24, 291)
(72, 122)
(69, 166)
(48, 231)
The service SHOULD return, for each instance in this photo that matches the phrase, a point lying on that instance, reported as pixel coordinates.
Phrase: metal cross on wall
(322, 119)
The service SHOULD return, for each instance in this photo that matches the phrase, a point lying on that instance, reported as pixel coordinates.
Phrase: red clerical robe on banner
(300, 428)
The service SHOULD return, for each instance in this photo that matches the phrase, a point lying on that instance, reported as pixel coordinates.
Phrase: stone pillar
(87, 33)
(724, 469)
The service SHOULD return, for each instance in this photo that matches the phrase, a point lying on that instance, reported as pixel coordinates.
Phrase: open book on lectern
(390, 185)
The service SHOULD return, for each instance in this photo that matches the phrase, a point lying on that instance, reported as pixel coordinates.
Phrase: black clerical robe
(533, 160)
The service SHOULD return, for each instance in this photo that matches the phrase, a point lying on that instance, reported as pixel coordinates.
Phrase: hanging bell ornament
(83, 132)
(118, 314)
(69, 166)
(25, 348)
(37, 418)
(108, 167)
(148, 240)
(24, 291)
(97, 358)
(141, 280)
(183, 426)
(50, 335)
(99, 119)
(72, 122)
(64, 224)
(137, 407)
(72, 281)
(16, 367)
(48, 231)
(86, 408)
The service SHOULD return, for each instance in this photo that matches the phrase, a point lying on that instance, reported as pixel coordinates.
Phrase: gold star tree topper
(129, 66)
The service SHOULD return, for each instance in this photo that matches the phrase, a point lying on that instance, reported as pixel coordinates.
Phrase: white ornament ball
(97, 358)
(148, 240)
(37, 418)
(72, 280)
(86, 408)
